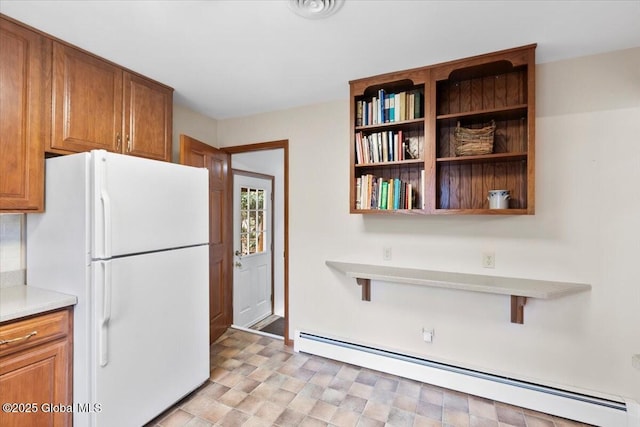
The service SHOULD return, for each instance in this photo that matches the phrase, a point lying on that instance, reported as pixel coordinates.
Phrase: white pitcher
(498, 199)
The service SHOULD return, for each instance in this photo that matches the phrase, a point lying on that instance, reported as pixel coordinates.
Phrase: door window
(253, 227)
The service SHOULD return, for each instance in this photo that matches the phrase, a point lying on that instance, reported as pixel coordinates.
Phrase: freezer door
(141, 205)
(151, 333)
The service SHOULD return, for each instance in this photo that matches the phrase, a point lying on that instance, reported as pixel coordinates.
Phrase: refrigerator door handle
(106, 313)
(106, 226)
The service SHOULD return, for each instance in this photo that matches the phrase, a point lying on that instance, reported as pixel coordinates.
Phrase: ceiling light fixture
(315, 9)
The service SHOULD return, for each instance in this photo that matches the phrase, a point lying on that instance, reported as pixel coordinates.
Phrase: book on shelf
(417, 104)
(374, 192)
(383, 195)
(387, 146)
(359, 112)
(402, 111)
(389, 107)
(359, 153)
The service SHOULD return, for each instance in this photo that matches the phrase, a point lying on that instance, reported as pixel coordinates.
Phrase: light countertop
(21, 301)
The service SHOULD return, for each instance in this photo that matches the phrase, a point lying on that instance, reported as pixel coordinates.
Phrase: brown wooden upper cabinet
(98, 105)
(25, 118)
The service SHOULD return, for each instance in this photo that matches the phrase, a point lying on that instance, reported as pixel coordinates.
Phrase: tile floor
(257, 381)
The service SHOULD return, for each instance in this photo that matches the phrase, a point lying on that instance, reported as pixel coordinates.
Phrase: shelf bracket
(517, 309)
(366, 288)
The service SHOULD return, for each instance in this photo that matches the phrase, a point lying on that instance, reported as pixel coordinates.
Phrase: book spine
(396, 109)
(417, 105)
(385, 146)
(383, 195)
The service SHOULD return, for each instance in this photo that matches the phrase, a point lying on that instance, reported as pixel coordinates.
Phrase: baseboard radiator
(605, 412)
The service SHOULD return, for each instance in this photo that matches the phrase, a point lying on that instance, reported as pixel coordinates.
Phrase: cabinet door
(25, 73)
(148, 118)
(87, 102)
(35, 370)
(37, 378)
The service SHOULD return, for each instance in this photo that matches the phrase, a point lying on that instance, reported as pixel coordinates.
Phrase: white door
(252, 237)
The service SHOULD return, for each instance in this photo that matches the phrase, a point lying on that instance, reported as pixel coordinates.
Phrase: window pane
(260, 221)
(245, 244)
(243, 198)
(252, 200)
(244, 222)
(260, 199)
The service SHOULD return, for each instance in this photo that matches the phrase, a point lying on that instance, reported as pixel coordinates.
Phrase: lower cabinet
(36, 370)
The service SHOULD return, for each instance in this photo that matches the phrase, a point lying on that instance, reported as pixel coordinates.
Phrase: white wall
(12, 262)
(585, 229)
(195, 125)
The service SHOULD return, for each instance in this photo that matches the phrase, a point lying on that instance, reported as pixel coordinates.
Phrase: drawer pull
(26, 337)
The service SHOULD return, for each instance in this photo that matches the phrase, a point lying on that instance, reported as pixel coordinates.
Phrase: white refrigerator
(129, 237)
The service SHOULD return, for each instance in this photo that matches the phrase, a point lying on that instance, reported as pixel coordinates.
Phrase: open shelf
(504, 113)
(518, 288)
(418, 150)
(390, 125)
(486, 158)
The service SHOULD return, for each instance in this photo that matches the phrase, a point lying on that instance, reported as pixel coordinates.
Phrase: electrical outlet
(427, 334)
(386, 253)
(635, 361)
(489, 259)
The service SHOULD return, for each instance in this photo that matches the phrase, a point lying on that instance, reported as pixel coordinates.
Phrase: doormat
(276, 327)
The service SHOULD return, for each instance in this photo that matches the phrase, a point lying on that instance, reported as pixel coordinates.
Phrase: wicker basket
(472, 142)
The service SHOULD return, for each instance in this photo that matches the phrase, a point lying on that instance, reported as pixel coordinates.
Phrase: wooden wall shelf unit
(497, 87)
(519, 289)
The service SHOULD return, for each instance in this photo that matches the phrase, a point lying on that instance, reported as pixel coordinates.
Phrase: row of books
(390, 107)
(388, 146)
(387, 193)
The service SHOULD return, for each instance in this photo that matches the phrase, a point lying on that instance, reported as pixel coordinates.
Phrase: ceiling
(236, 58)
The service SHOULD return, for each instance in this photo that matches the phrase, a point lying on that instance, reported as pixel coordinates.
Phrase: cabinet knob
(128, 144)
(118, 141)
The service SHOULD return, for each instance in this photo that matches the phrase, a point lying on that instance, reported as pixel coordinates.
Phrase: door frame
(263, 146)
(266, 177)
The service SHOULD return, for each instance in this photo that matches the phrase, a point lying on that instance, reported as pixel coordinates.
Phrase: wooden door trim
(273, 145)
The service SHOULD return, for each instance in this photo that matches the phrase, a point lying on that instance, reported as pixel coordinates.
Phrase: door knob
(237, 253)
(238, 264)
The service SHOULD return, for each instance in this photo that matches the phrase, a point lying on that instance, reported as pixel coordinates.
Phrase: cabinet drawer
(22, 334)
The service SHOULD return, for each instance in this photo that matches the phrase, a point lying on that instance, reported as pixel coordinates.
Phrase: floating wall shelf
(519, 289)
